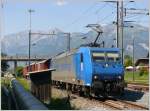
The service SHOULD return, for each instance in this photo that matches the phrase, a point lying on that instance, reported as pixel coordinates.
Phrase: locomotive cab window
(113, 57)
(98, 56)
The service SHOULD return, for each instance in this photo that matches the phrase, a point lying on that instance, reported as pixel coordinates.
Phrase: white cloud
(129, 48)
(61, 2)
(144, 46)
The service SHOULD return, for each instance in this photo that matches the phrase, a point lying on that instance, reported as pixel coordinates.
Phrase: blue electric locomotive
(90, 70)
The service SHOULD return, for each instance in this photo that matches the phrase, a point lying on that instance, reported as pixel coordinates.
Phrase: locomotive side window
(81, 57)
(98, 56)
(118, 59)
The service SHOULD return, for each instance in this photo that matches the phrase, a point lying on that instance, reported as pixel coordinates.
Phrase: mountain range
(50, 45)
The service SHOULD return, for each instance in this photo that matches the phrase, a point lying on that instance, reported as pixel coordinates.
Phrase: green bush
(143, 71)
(19, 71)
(4, 64)
(128, 61)
(146, 71)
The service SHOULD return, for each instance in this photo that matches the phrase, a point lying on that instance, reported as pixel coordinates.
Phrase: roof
(47, 70)
(67, 53)
(104, 49)
(142, 60)
(43, 61)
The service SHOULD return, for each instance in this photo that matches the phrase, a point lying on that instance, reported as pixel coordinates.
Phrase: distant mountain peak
(51, 45)
(55, 30)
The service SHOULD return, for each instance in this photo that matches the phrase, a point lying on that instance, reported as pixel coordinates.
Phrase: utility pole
(134, 11)
(68, 40)
(121, 29)
(30, 12)
(133, 39)
(117, 36)
(119, 23)
(30, 33)
(133, 56)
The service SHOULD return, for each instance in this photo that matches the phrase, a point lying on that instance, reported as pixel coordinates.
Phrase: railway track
(138, 87)
(112, 103)
(118, 104)
(125, 105)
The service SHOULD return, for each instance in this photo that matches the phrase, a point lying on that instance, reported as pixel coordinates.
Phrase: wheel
(105, 95)
(121, 91)
(87, 92)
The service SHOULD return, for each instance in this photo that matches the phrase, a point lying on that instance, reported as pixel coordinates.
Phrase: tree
(128, 61)
(4, 64)
(19, 71)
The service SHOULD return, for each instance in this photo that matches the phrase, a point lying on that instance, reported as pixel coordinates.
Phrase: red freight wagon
(33, 67)
(25, 71)
(43, 65)
(36, 67)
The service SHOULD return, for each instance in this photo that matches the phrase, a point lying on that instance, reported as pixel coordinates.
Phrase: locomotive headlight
(106, 65)
(119, 77)
(95, 77)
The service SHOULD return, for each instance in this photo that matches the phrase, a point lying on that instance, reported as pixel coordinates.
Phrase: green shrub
(19, 71)
(143, 71)
(128, 61)
(146, 71)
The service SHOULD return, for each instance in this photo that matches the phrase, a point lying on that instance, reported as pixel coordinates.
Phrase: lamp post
(68, 40)
(133, 39)
(34, 44)
(115, 42)
(30, 12)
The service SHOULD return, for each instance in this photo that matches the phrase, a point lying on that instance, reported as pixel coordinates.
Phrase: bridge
(21, 59)
(16, 59)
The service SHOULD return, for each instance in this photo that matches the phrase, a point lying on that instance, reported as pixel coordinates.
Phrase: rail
(113, 103)
(138, 87)
(124, 105)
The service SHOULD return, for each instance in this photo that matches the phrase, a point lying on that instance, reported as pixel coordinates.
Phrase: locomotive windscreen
(106, 56)
(98, 56)
(113, 56)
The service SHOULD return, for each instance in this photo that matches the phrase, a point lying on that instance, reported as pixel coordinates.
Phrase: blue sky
(66, 15)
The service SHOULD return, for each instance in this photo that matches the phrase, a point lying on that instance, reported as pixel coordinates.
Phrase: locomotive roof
(104, 49)
(67, 53)
(39, 62)
(43, 61)
(63, 54)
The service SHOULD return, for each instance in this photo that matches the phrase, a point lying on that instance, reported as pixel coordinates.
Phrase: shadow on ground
(60, 104)
(131, 95)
